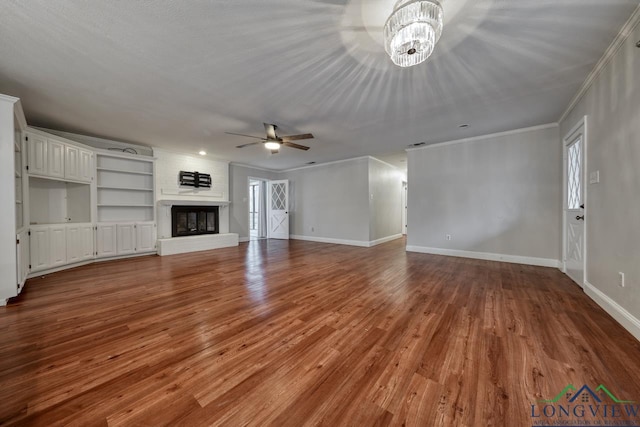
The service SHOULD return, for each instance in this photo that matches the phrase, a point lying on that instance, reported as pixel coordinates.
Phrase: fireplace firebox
(194, 220)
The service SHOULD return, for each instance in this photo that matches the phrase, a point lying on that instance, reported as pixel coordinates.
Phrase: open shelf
(125, 171)
(125, 206)
(106, 187)
(125, 188)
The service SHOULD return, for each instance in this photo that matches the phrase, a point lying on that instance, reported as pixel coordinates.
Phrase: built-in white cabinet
(56, 153)
(85, 166)
(77, 164)
(37, 154)
(39, 247)
(145, 237)
(52, 158)
(23, 257)
(125, 238)
(79, 242)
(106, 238)
(57, 245)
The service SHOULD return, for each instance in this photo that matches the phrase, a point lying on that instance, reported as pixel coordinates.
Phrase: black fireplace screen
(194, 220)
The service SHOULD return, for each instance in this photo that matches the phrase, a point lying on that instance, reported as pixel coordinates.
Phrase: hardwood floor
(299, 333)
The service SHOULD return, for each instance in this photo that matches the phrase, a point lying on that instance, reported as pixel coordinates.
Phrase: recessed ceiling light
(203, 153)
(463, 126)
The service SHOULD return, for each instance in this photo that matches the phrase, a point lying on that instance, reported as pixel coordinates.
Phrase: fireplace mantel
(183, 202)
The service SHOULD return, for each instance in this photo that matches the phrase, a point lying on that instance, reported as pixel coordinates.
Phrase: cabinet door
(73, 243)
(57, 245)
(126, 238)
(146, 236)
(37, 154)
(56, 159)
(23, 258)
(39, 243)
(86, 166)
(86, 242)
(106, 240)
(72, 162)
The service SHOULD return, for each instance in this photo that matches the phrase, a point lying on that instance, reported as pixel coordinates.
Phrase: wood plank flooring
(291, 333)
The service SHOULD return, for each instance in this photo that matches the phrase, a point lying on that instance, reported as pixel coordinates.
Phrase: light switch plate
(594, 177)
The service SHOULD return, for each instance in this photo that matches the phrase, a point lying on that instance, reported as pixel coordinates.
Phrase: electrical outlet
(448, 236)
(621, 279)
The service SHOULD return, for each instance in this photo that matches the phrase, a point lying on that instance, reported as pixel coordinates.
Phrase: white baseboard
(514, 259)
(61, 268)
(385, 240)
(619, 313)
(243, 239)
(359, 243)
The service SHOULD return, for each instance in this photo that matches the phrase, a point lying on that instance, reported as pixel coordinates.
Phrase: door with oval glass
(574, 239)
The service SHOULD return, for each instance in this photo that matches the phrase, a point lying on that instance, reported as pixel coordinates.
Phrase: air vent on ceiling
(419, 144)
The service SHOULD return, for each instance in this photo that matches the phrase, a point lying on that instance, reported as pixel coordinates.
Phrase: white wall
(332, 199)
(239, 190)
(612, 105)
(8, 260)
(494, 195)
(168, 167)
(385, 200)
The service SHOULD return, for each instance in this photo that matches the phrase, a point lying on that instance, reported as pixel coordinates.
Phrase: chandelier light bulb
(412, 31)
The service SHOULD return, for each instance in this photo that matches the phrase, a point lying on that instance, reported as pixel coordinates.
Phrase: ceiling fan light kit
(273, 142)
(412, 31)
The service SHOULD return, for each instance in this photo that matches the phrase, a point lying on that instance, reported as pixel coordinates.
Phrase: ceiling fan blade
(248, 145)
(241, 134)
(271, 130)
(297, 137)
(293, 145)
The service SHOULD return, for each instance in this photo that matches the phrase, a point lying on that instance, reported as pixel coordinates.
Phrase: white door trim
(580, 126)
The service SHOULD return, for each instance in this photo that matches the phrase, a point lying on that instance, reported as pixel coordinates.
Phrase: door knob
(580, 217)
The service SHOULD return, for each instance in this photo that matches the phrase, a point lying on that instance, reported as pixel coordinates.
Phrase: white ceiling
(179, 74)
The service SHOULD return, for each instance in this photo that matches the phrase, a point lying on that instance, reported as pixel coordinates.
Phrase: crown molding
(242, 165)
(328, 163)
(614, 47)
(488, 136)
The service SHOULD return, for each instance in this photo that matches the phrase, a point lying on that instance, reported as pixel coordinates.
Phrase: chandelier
(412, 31)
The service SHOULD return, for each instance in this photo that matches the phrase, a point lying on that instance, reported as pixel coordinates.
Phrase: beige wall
(612, 105)
(496, 195)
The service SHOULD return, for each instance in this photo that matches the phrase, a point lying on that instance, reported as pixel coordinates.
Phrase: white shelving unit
(18, 182)
(125, 188)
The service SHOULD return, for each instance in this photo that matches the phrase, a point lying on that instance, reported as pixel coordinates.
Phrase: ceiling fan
(273, 142)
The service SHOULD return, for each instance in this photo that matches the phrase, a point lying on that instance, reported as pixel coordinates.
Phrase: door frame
(265, 181)
(581, 125)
